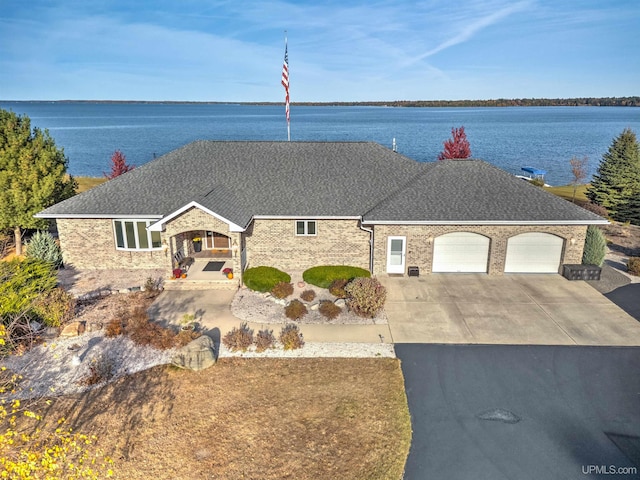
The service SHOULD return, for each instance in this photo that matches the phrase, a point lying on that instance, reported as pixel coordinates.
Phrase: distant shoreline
(500, 102)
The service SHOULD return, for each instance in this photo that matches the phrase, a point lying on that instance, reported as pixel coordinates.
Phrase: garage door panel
(533, 252)
(460, 252)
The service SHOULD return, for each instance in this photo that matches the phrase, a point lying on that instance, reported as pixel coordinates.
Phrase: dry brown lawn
(251, 419)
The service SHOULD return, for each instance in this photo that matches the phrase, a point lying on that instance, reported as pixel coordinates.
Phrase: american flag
(285, 79)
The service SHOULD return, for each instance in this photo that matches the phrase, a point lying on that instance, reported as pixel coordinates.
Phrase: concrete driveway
(509, 309)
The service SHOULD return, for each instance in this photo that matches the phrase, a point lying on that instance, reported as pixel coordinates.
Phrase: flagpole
(285, 84)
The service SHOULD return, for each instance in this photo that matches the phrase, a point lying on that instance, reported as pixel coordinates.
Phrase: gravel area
(252, 306)
(86, 282)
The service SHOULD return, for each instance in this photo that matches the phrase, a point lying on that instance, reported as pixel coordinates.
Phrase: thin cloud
(471, 30)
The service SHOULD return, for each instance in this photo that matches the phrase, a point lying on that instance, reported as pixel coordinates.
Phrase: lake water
(511, 137)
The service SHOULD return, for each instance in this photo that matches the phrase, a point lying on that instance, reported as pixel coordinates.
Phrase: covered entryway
(533, 252)
(460, 252)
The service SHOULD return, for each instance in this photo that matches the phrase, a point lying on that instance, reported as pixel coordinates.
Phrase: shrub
(365, 296)
(43, 246)
(329, 309)
(308, 295)
(595, 247)
(263, 279)
(100, 370)
(114, 328)
(238, 338)
(144, 332)
(21, 282)
(295, 310)
(153, 286)
(595, 208)
(185, 336)
(633, 265)
(264, 340)
(290, 337)
(337, 288)
(322, 276)
(282, 290)
(54, 308)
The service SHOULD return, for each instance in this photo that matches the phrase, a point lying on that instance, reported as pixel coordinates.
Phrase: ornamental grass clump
(308, 295)
(633, 265)
(365, 296)
(337, 288)
(290, 337)
(329, 309)
(295, 310)
(239, 338)
(282, 290)
(265, 339)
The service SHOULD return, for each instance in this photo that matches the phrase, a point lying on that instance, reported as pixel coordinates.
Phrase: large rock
(196, 355)
(341, 302)
(74, 329)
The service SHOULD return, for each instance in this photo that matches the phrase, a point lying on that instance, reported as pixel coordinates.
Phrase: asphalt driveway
(501, 412)
(508, 309)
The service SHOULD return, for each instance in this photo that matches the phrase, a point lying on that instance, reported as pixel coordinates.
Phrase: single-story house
(293, 205)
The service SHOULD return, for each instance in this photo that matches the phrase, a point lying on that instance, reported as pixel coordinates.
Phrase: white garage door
(533, 253)
(460, 252)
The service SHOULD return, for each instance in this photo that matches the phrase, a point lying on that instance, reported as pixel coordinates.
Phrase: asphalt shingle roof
(474, 190)
(239, 180)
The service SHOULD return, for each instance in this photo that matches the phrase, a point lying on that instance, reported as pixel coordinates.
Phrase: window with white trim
(305, 227)
(133, 235)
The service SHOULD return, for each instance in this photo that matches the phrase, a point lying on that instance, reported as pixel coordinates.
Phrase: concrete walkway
(212, 310)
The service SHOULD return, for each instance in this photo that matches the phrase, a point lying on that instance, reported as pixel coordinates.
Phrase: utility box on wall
(413, 271)
(581, 272)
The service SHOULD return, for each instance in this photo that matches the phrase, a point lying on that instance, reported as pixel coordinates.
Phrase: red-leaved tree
(118, 165)
(457, 146)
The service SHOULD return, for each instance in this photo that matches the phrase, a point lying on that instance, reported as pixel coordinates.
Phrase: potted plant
(228, 272)
(197, 244)
(177, 272)
(188, 322)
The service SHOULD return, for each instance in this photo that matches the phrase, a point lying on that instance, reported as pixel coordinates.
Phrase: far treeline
(499, 102)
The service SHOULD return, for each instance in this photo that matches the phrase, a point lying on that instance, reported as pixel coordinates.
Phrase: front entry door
(396, 247)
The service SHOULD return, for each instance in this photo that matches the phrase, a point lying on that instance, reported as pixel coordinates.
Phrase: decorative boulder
(196, 355)
(74, 329)
(314, 306)
(341, 302)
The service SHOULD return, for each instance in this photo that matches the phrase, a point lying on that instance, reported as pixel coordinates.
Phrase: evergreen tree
(618, 177)
(33, 174)
(630, 211)
(595, 247)
(457, 147)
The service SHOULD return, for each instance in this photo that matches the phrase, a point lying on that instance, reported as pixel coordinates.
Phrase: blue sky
(338, 50)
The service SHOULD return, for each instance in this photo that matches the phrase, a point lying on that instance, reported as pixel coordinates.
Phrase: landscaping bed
(251, 306)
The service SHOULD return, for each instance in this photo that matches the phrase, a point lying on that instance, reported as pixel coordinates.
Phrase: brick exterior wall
(274, 243)
(89, 243)
(419, 250)
(194, 222)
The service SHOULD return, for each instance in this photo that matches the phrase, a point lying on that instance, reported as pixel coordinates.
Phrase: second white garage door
(460, 252)
(534, 252)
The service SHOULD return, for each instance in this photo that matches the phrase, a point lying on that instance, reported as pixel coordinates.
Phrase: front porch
(206, 273)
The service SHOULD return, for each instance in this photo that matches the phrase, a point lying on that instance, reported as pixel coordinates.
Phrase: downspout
(370, 245)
